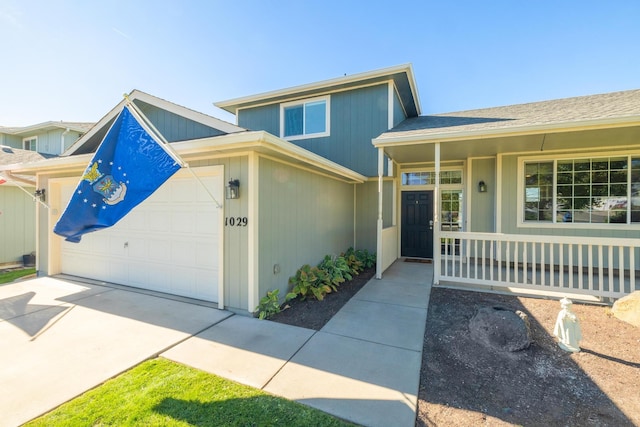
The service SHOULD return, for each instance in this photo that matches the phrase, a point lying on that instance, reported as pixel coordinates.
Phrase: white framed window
(30, 143)
(307, 118)
(447, 177)
(585, 191)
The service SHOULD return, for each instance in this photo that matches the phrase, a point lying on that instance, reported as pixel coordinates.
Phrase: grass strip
(10, 276)
(160, 392)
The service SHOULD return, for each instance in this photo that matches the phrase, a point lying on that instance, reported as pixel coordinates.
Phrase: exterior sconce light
(40, 194)
(482, 187)
(233, 189)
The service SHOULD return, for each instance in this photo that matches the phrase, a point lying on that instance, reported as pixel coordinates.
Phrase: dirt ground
(464, 383)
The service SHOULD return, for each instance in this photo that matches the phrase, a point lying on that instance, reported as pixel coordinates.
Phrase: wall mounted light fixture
(233, 189)
(40, 194)
(482, 187)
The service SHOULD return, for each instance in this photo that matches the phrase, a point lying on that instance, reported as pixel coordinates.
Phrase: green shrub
(311, 281)
(355, 265)
(367, 259)
(336, 268)
(270, 304)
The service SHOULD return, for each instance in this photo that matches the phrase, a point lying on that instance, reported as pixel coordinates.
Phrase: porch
(553, 208)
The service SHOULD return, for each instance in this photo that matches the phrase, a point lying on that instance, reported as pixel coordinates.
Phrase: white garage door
(172, 242)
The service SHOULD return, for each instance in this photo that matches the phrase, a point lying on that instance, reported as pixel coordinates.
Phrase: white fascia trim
(225, 105)
(45, 127)
(514, 131)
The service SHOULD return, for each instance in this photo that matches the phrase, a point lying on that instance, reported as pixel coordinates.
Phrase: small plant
(367, 258)
(336, 268)
(311, 281)
(355, 265)
(270, 304)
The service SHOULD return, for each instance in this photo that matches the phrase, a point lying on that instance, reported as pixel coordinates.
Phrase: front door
(417, 224)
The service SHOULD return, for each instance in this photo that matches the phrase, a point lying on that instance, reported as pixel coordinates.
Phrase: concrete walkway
(61, 337)
(363, 366)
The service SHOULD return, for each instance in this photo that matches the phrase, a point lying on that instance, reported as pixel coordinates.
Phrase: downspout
(62, 140)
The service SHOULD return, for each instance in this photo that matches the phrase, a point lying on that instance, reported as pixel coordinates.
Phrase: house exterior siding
(482, 207)
(398, 112)
(236, 239)
(302, 217)
(17, 216)
(174, 127)
(367, 212)
(357, 116)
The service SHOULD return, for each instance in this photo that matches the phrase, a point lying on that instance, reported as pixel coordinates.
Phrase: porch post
(379, 256)
(436, 218)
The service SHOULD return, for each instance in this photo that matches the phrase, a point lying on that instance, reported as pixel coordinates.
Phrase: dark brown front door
(417, 224)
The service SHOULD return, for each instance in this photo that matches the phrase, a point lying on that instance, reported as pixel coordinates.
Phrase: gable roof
(90, 141)
(603, 110)
(402, 75)
(81, 127)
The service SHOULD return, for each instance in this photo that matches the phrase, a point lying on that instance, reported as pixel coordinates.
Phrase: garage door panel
(183, 190)
(160, 250)
(183, 222)
(169, 243)
(204, 258)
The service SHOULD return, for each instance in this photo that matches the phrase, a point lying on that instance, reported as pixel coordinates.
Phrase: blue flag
(128, 167)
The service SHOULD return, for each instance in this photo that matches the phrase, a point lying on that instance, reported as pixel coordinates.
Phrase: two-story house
(511, 196)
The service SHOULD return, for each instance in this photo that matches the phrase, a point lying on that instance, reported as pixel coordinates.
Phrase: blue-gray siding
(174, 127)
(398, 112)
(357, 116)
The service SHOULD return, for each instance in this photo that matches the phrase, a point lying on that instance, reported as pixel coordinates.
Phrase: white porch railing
(600, 267)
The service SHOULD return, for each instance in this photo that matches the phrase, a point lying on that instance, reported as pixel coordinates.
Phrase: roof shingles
(613, 105)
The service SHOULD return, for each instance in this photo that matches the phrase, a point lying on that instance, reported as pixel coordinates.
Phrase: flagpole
(139, 115)
(9, 177)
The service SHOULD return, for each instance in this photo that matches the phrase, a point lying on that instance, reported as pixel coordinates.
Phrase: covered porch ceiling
(452, 148)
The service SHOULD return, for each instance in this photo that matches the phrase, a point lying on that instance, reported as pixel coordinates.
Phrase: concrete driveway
(59, 338)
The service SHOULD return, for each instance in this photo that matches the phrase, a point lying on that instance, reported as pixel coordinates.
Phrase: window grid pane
(538, 191)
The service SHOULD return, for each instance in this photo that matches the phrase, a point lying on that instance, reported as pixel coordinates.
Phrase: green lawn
(10, 276)
(163, 393)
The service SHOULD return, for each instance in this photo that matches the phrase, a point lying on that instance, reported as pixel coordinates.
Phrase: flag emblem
(128, 166)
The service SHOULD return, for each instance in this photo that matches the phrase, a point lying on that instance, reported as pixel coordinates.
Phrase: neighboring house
(517, 196)
(47, 138)
(17, 209)
(19, 145)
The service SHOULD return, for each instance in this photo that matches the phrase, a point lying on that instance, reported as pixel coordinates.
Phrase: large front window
(598, 190)
(305, 119)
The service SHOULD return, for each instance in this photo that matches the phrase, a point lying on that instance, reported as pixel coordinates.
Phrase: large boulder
(627, 309)
(501, 328)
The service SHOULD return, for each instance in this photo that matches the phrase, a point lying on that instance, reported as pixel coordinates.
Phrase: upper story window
(305, 119)
(30, 143)
(597, 190)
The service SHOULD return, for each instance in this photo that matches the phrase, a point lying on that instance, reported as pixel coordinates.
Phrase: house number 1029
(236, 221)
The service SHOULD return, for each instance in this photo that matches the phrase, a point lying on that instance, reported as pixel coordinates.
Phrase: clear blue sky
(72, 60)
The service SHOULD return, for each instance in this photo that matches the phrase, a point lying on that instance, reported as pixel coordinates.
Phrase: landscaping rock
(627, 309)
(501, 329)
